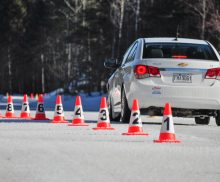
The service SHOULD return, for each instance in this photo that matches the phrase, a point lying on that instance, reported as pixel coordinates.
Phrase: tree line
(49, 44)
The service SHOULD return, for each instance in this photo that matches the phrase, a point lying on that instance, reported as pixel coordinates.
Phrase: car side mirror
(111, 63)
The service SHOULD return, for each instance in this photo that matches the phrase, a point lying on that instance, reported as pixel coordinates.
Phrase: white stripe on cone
(40, 108)
(103, 115)
(25, 107)
(167, 124)
(10, 107)
(59, 110)
(135, 119)
(78, 112)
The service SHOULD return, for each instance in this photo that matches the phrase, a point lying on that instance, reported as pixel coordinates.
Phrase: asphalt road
(44, 152)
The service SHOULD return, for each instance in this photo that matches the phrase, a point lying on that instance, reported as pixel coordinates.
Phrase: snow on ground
(90, 102)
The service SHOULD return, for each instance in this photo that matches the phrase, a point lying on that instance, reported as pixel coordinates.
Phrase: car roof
(173, 39)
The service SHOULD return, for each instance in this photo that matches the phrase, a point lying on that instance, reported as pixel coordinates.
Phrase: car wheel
(112, 114)
(203, 121)
(217, 119)
(125, 111)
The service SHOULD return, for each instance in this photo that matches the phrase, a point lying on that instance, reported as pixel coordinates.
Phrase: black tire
(125, 111)
(217, 119)
(203, 121)
(112, 116)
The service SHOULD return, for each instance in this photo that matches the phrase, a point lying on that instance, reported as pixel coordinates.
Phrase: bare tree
(200, 8)
(72, 11)
(117, 18)
(42, 74)
(134, 5)
(9, 70)
(213, 26)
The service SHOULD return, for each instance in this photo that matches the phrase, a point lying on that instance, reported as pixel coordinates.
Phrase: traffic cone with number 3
(58, 113)
(135, 125)
(25, 109)
(10, 108)
(103, 120)
(167, 133)
(40, 111)
(78, 118)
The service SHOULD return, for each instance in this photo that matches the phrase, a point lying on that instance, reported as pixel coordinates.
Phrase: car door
(122, 71)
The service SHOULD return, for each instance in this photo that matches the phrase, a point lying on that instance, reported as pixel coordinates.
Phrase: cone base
(167, 141)
(80, 124)
(135, 129)
(136, 133)
(23, 117)
(41, 119)
(39, 116)
(11, 117)
(59, 119)
(103, 128)
(167, 138)
(59, 122)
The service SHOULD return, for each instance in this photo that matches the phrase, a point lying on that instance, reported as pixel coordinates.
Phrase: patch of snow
(90, 102)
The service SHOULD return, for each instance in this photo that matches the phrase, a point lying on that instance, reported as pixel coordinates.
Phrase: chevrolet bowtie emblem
(182, 64)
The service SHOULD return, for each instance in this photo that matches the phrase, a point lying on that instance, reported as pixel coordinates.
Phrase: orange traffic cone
(78, 119)
(25, 109)
(103, 120)
(40, 112)
(167, 133)
(135, 125)
(9, 108)
(32, 96)
(58, 113)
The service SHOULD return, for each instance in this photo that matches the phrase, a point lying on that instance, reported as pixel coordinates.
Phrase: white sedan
(183, 72)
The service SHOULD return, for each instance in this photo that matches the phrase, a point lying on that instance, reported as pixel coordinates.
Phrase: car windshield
(179, 51)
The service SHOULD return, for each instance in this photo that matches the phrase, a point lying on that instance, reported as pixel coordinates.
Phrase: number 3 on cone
(104, 117)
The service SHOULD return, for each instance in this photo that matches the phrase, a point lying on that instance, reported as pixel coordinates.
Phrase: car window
(132, 53)
(126, 53)
(179, 50)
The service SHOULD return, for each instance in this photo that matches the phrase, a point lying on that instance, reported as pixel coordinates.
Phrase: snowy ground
(44, 152)
(90, 103)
